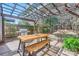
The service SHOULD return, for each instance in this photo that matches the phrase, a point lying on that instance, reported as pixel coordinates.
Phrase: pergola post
(1, 24)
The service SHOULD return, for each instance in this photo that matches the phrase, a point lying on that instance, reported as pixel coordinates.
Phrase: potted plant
(71, 44)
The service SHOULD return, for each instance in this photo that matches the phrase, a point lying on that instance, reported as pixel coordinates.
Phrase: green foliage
(71, 43)
(31, 29)
(23, 22)
(51, 21)
(45, 30)
(10, 29)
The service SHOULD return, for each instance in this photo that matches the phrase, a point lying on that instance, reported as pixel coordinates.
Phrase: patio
(10, 49)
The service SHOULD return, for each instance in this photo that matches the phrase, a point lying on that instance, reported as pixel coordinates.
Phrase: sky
(9, 10)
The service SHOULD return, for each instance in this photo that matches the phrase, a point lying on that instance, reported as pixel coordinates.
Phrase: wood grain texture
(36, 46)
(25, 38)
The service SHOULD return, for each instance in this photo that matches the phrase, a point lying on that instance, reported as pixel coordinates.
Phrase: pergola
(34, 12)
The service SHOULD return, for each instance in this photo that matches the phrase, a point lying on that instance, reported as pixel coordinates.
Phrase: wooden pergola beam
(71, 12)
(56, 8)
(34, 12)
(11, 16)
(47, 9)
(39, 10)
(13, 9)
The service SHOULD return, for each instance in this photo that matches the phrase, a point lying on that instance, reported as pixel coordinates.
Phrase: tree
(50, 22)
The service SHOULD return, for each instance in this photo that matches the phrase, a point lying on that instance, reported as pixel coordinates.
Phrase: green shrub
(45, 30)
(71, 43)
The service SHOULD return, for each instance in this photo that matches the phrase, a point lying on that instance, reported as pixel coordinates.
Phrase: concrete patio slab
(13, 45)
(4, 49)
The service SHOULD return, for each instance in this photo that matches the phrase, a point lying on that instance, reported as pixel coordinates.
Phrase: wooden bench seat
(35, 47)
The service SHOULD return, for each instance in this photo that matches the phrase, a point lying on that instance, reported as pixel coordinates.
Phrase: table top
(25, 38)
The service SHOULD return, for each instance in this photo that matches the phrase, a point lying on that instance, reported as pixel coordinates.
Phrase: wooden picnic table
(25, 38)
